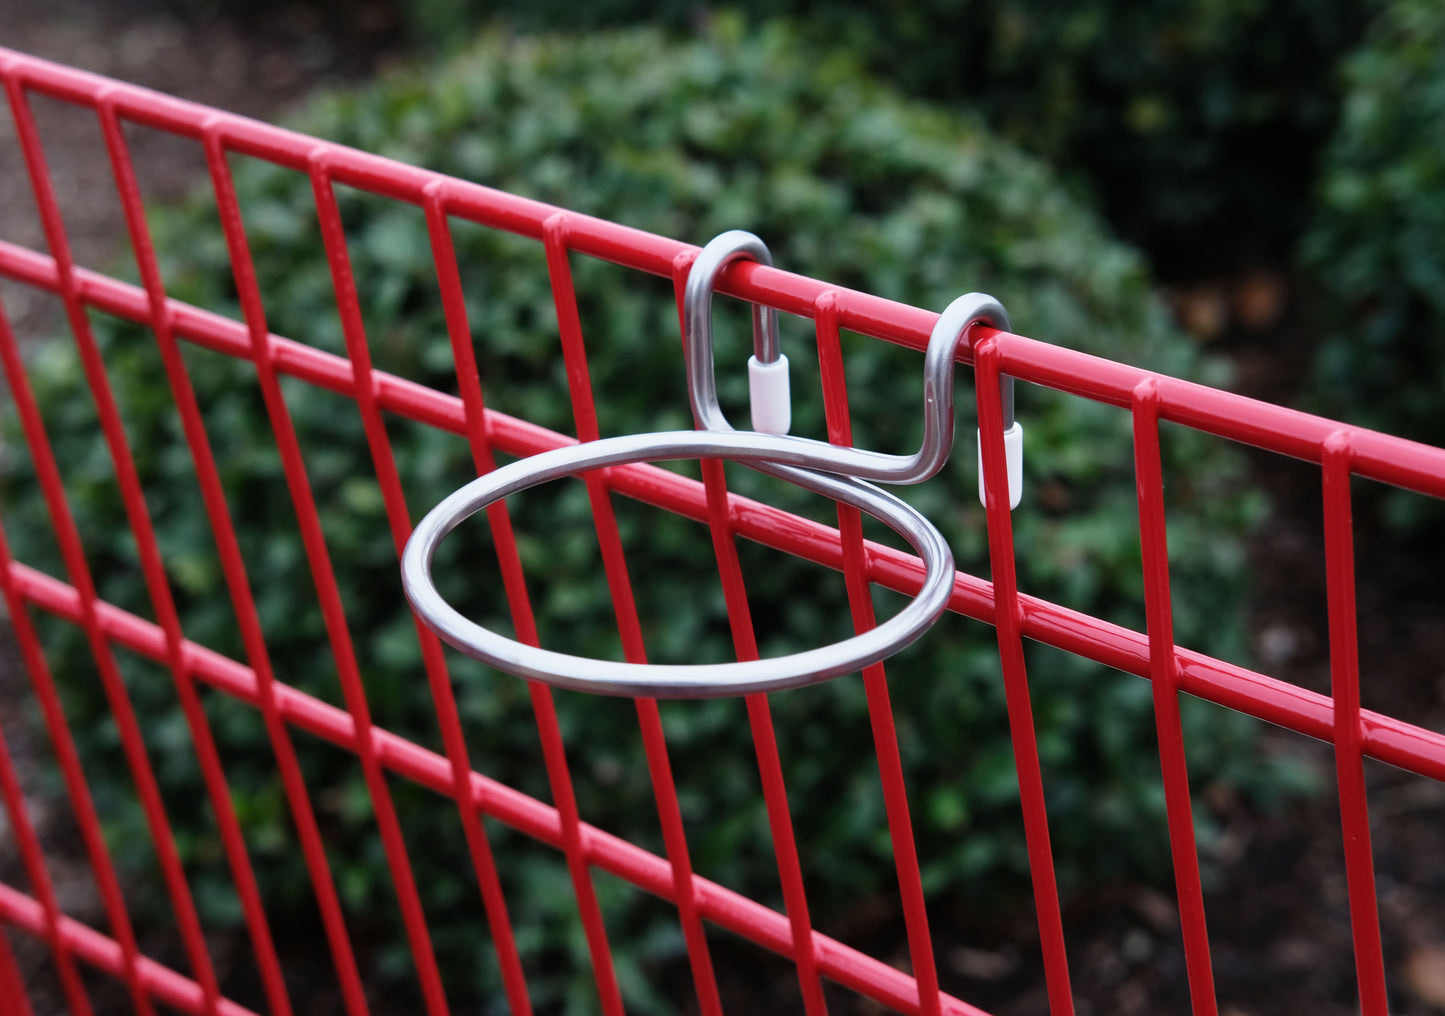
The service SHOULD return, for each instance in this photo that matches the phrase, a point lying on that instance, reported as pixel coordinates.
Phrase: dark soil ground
(1277, 907)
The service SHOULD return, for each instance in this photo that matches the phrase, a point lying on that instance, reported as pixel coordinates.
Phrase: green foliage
(1377, 245)
(845, 181)
(1156, 107)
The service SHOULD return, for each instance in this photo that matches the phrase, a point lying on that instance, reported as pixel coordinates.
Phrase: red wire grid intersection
(1341, 452)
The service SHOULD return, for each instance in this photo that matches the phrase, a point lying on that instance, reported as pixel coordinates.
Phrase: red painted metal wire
(1154, 545)
(12, 982)
(386, 757)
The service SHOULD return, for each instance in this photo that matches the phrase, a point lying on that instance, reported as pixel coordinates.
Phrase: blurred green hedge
(1196, 126)
(846, 181)
(1377, 244)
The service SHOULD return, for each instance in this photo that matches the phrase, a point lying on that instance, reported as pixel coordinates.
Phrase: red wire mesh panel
(392, 764)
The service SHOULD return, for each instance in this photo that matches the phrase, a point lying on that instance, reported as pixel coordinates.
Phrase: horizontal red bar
(1371, 455)
(1375, 456)
(1378, 456)
(861, 312)
(104, 953)
(1389, 459)
(525, 814)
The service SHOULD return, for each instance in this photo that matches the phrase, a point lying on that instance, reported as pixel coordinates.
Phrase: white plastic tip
(768, 389)
(1013, 445)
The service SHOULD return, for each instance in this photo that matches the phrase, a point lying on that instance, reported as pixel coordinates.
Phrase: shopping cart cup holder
(836, 472)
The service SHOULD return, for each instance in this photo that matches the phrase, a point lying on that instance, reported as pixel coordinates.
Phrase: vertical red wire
(133, 746)
(760, 717)
(614, 564)
(32, 854)
(12, 984)
(1349, 731)
(43, 684)
(1008, 618)
(875, 680)
(312, 848)
(559, 779)
(364, 391)
(453, 740)
(334, 614)
(146, 981)
(217, 789)
(1154, 546)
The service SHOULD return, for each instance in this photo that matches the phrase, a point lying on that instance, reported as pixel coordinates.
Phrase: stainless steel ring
(677, 680)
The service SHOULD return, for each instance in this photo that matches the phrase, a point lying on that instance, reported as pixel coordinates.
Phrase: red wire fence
(385, 758)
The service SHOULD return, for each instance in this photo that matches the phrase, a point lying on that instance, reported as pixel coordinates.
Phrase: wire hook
(950, 332)
(767, 368)
(827, 469)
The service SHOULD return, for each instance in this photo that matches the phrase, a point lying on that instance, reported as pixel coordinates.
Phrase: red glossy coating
(1164, 671)
(384, 757)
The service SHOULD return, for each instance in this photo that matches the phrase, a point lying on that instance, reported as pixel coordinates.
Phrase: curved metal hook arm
(804, 462)
(722, 250)
(949, 333)
(697, 321)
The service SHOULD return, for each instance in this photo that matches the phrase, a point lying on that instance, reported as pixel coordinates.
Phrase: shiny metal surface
(673, 680)
(951, 331)
(835, 471)
(721, 251)
(290, 713)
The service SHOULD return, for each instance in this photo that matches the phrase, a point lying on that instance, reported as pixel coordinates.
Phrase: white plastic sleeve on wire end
(772, 405)
(1013, 444)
